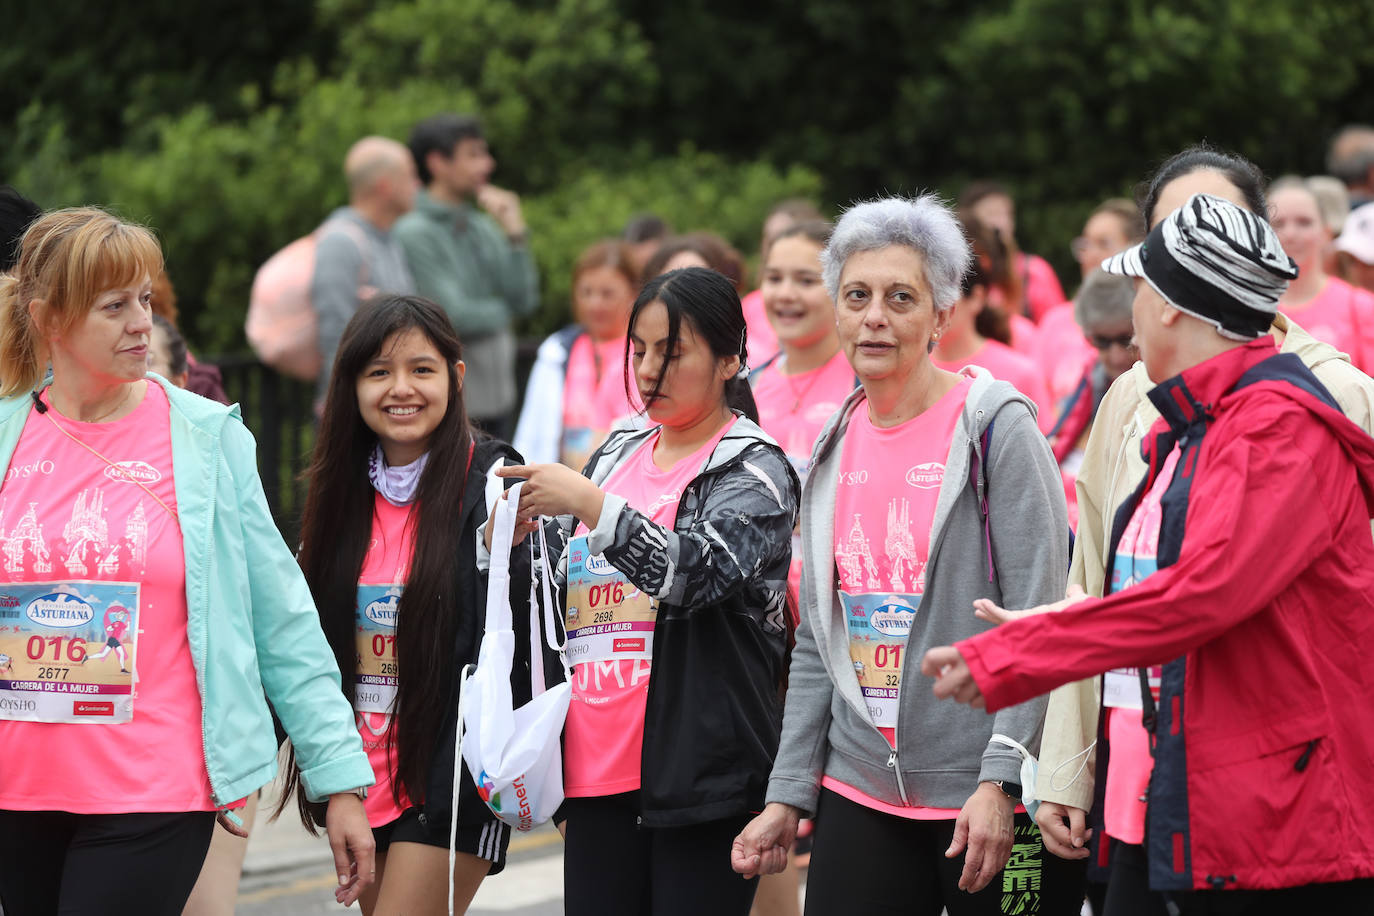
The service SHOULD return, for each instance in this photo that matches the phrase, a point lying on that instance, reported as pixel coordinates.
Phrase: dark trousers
(614, 867)
(868, 862)
(94, 864)
(1129, 894)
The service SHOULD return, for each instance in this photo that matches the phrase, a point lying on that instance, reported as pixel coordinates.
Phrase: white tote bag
(515, 755)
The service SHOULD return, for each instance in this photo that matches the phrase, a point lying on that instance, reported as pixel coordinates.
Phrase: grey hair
(1104, 299)
(924, 224)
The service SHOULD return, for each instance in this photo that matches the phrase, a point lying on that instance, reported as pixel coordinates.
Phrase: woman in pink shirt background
(1060, 347)
(991, 205)
(783, 215)
(575, 392)
(1327, 307)
(978, 331)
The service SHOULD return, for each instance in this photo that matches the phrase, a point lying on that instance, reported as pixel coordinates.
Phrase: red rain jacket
(1262, 613)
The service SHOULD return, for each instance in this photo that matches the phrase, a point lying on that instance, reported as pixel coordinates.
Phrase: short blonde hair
(66, 259)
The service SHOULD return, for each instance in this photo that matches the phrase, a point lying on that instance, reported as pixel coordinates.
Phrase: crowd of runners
(904, 572)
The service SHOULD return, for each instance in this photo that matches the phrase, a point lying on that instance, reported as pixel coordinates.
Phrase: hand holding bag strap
(498, 616)
(552, 607)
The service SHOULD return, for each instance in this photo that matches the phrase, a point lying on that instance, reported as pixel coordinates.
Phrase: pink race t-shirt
(1343, 316)
(762, 341)
(793, 409)
(1010, 366)
(385, 568)
(889, 485)
(593, 397)
(1061, 351)
(83, 527)
(1042, 289)
(1130, 763)
(604, 736)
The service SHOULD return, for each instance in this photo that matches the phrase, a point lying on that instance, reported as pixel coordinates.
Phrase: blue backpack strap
(754, 373)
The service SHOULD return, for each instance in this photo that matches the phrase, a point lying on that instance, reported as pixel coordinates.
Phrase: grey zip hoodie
(943, 748)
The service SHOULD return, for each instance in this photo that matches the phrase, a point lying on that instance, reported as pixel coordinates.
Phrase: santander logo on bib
(140, 471)
(59, 609)
(926, 476)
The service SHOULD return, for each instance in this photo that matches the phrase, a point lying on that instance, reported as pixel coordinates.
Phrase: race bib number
(608, 617)
(878, 626)
(67, 651)
(375, 686)
(1121, 687)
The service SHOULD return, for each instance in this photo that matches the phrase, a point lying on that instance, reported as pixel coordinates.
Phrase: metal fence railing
(278, 411)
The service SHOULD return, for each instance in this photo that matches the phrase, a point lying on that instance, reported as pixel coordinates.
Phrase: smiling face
(1298, 222)
(602, 298)
(886, 313)
(794, 297)
(693, 378)
(110, 343)
(403, 394)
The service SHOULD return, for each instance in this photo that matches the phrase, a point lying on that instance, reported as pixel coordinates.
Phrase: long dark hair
(710, 303)
(337, 526)
(1238, 170)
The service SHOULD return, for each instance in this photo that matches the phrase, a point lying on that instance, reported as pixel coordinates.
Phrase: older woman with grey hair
(928, 489)
(1103, 312)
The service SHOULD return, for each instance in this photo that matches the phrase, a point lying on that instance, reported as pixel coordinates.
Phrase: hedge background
(223, 123)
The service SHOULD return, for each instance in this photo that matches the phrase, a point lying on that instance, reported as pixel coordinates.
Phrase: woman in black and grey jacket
(675, 550)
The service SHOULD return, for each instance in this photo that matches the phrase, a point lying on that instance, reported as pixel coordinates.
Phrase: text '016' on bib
(608, 617)
(67, 651)
(375, 626)
(878, 624)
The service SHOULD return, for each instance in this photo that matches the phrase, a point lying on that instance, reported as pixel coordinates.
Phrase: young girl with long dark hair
(676, 546)
(399, 483)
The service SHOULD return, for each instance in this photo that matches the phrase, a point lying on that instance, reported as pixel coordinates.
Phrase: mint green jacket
(251, 623)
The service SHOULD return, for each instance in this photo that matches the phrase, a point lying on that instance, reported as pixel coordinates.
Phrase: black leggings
(868, 862)
(614, 867)
(78, 864)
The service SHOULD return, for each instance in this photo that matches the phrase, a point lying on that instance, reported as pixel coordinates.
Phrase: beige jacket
(1112, 469)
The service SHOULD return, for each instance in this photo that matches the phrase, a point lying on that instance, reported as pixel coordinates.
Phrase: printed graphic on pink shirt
(889, 484)
(610, 625)
(1130, 764)
(93, 619)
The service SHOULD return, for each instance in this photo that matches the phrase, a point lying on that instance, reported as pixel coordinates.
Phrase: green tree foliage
(224, 124)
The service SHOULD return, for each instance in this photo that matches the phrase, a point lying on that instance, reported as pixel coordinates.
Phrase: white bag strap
(498, 578)
(551, 603)
(457, 776)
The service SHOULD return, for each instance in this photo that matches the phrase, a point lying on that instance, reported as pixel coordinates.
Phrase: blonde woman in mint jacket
(152, 609)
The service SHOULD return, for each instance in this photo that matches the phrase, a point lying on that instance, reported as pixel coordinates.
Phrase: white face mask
(1029, 769)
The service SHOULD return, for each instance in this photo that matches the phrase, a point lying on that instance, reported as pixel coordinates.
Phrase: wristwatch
(1009, 789)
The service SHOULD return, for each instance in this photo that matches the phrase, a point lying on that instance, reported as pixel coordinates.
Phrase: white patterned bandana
(396, 484)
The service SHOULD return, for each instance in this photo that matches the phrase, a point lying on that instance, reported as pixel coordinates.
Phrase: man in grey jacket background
(356, 255)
